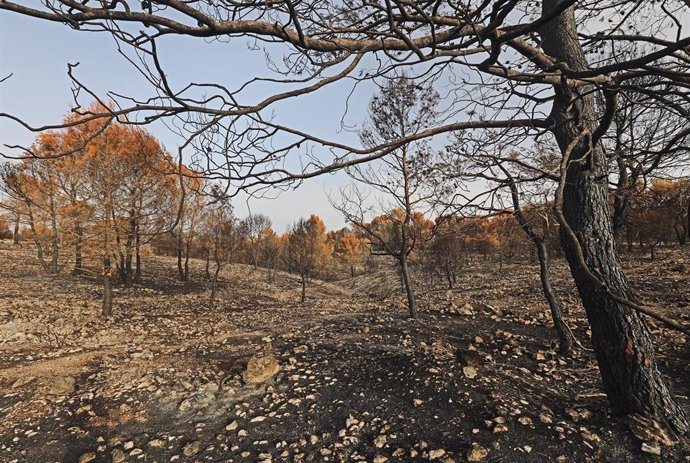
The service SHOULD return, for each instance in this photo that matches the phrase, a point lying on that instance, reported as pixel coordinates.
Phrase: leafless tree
(221, 230)
(400, 108)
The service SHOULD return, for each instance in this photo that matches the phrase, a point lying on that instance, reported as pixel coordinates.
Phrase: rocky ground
(342, 378)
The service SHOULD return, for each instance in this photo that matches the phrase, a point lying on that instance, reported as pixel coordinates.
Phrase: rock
(477, 453)
(257, 419)
(436, 454)
(62, 385)
(653, 449)
(546, 419)
(129, 445)
(142, 355)
(465, 309)
(380, 459)
(380, 441)
(260, 369)
(399, 452)
(87, 457)
(589, 436)
(185, 405)
(232, 426)
(469, 358)
(118, 456)
(648, 429)
(417, 402)
(469, 372)
(525, 421)
(157, 443)
(22, 382)
(191, 448)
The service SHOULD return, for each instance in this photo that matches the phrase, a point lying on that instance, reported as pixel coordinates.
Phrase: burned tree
(401, 108)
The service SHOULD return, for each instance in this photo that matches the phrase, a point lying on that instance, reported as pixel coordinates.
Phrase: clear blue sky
(37, 52)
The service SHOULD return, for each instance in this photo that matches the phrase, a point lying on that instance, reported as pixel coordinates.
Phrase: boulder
(260, 368)
(62, 385)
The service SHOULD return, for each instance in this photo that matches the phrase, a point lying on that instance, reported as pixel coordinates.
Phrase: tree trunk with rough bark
(620, 335)
(55, 238)
(107, 308)
(409, 290)
(15, 235)
(214, 281)
(137, 246)
(180, 247)
(78, 259)
(565, 336)
(186, 261)
(304, 288)
(37, 242)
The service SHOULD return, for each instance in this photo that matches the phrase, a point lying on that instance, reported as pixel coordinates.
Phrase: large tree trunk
(620, 336)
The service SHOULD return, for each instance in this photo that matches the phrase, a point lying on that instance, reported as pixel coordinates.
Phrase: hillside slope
(164, 379)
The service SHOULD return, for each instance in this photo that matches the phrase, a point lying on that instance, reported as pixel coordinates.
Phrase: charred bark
(137, 246)
(55, 238)
(620, 335)
(303, 280)
(565, 335)
(107, 308)
(15, 234)
(79, 238)
(409, 290)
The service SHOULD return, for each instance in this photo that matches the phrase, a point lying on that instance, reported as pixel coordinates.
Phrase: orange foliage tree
(308, 251)
(348, 248)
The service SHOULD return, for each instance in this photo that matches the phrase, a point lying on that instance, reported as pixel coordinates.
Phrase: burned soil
(164, 379)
